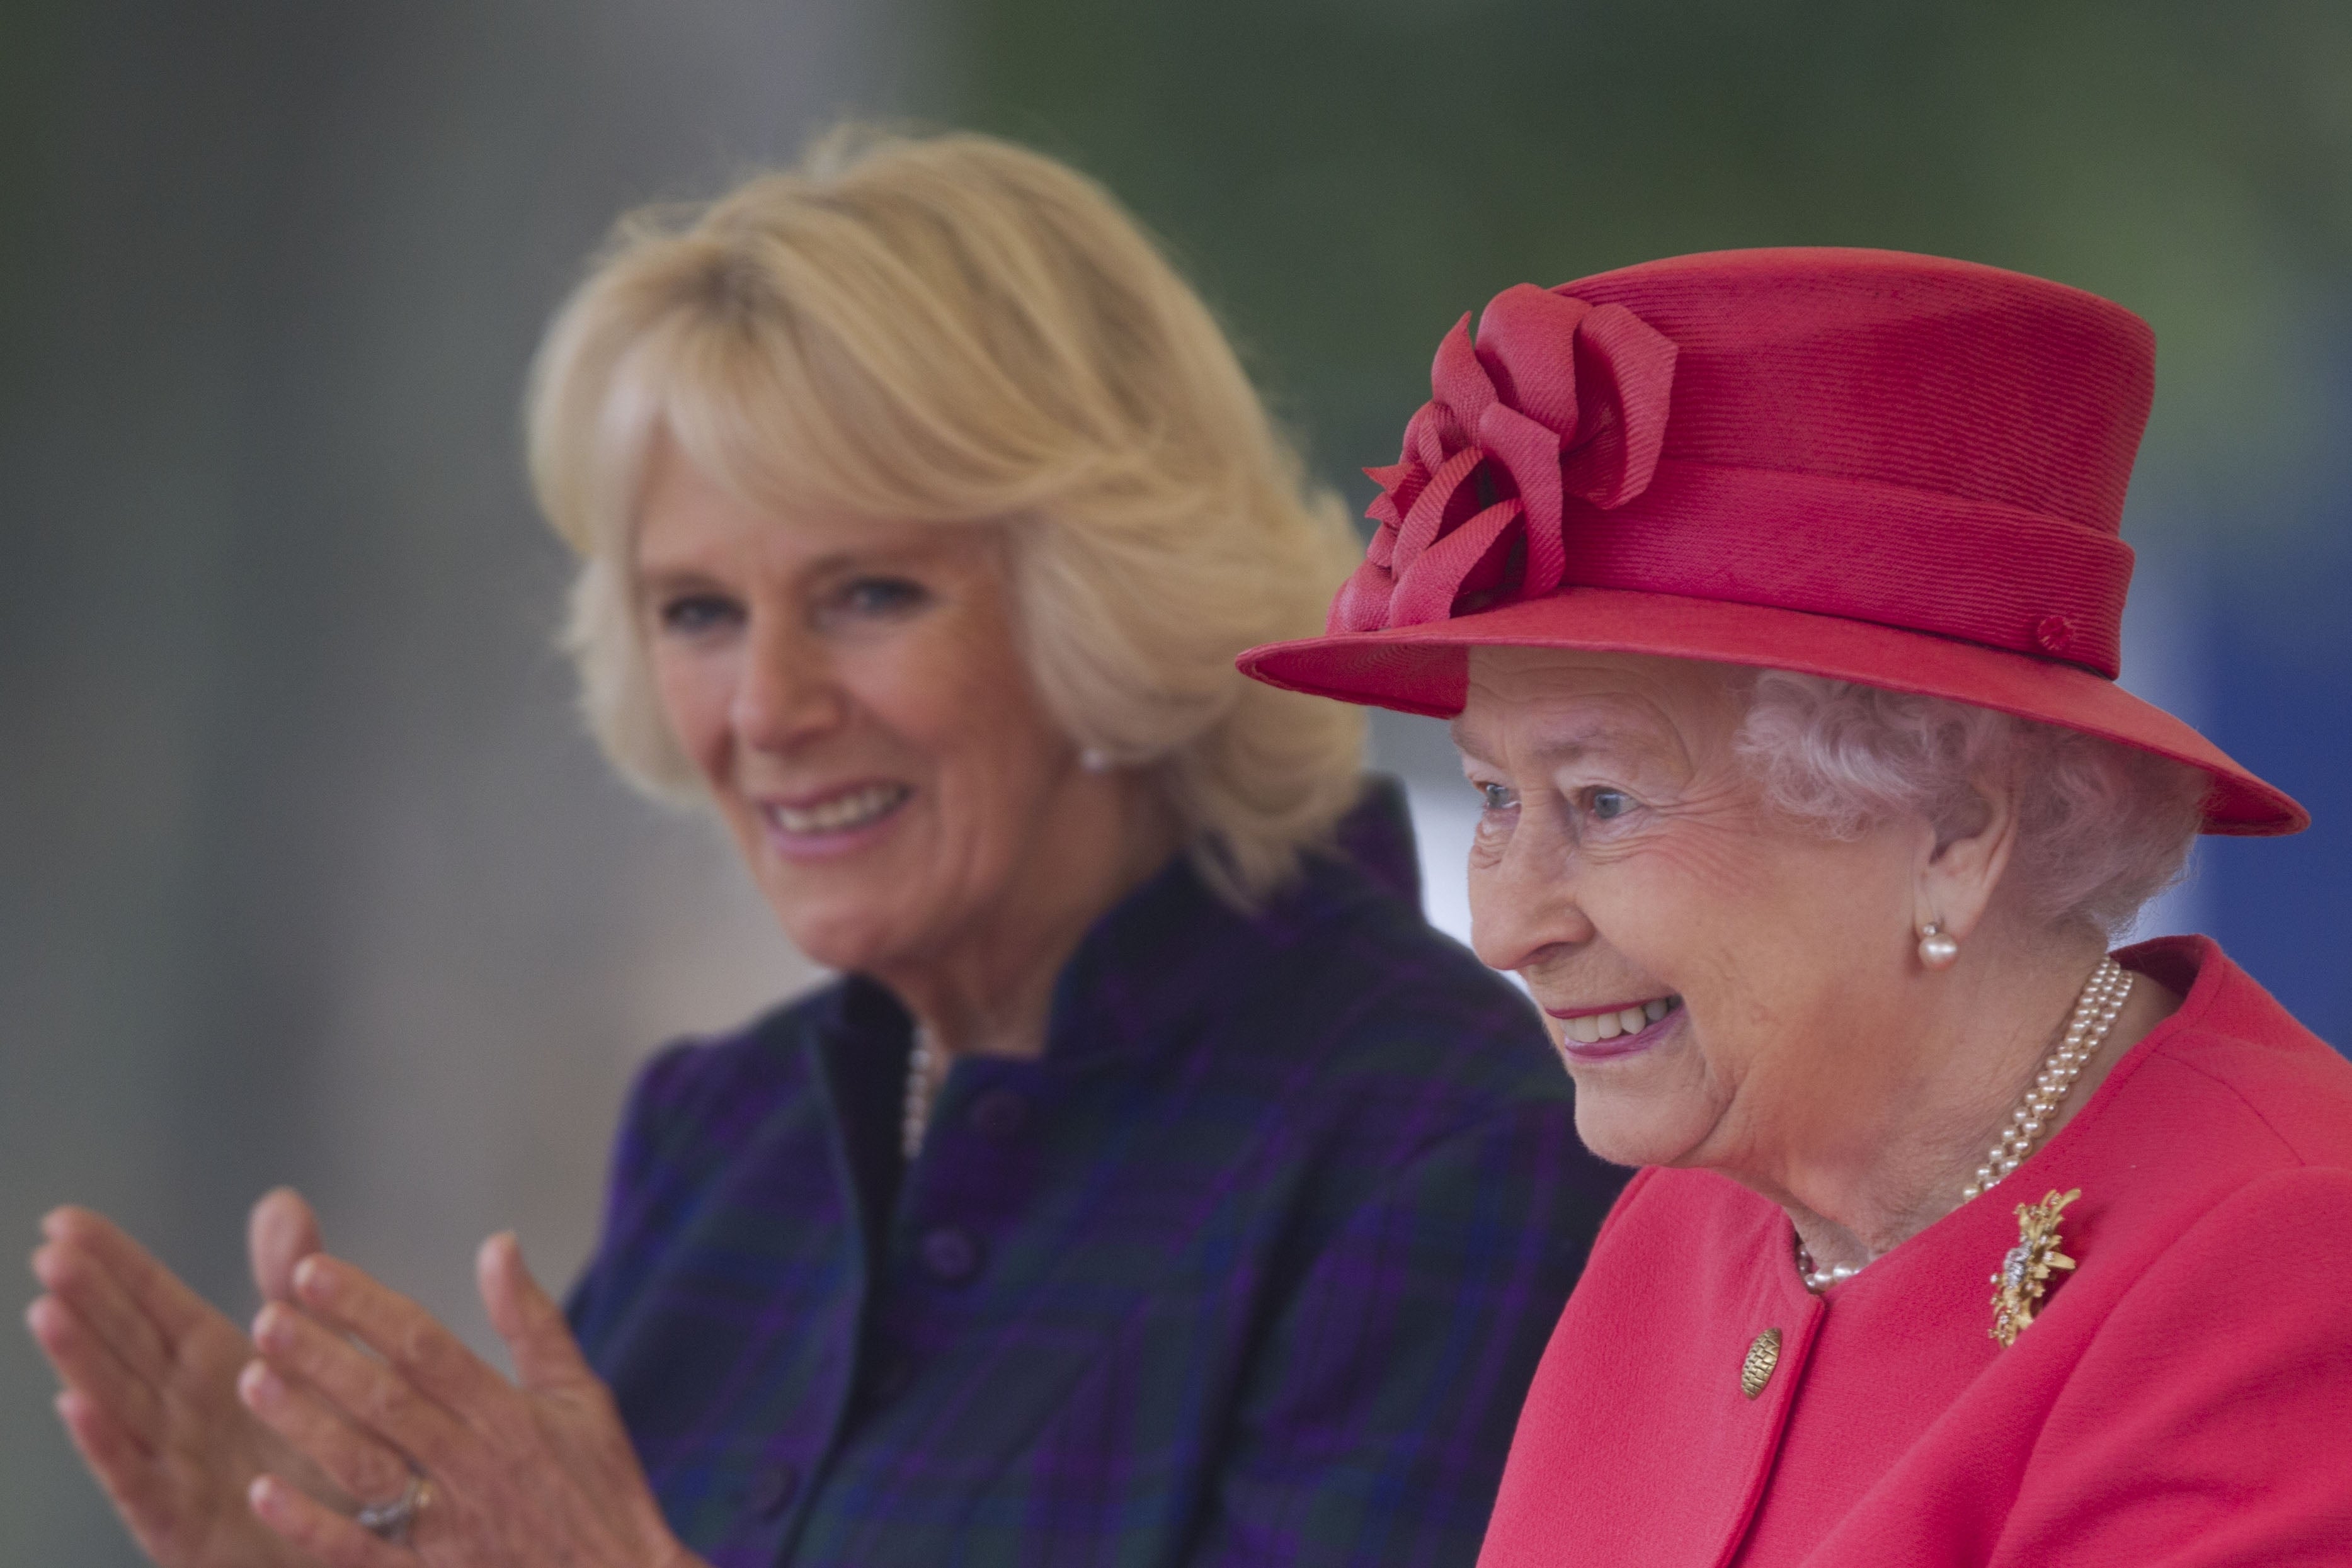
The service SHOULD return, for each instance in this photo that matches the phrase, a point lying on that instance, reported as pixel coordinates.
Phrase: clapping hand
(151, 1387)
(390, 1404)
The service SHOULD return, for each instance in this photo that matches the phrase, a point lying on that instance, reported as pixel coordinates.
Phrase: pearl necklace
(922, 1088)
(2095, 1011)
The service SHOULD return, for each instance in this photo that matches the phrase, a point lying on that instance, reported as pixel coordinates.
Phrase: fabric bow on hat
(1558, 398)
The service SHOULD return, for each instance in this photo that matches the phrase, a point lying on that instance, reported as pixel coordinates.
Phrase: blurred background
(307, 872)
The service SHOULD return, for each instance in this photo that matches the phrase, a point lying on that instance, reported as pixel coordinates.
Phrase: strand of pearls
(1819, 1280)
(922, 1087)
(2095, 1011)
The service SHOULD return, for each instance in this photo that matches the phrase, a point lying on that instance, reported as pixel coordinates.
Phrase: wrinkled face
(852, 695)
(1717, 977)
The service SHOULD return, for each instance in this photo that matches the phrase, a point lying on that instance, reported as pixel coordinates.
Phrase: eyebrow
(1572, 740)
(651, 574)
(1465, 739)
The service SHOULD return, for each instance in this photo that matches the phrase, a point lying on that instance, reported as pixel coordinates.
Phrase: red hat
(1884, 468)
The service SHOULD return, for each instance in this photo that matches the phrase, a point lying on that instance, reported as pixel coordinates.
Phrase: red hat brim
(1423, 669)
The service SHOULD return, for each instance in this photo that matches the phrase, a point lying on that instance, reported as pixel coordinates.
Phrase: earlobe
(1961, 863)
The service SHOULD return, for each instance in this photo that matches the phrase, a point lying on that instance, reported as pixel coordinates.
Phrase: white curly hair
(2102, 828)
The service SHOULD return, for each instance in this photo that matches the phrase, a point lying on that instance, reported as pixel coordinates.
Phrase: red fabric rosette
(1558, 398)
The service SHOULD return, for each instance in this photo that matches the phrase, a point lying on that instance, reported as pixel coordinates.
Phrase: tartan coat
(1253, 1265)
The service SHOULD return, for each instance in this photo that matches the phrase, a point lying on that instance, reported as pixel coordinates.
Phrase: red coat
(2185, 1396)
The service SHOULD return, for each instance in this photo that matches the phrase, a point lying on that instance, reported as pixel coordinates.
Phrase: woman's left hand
(538, 1470)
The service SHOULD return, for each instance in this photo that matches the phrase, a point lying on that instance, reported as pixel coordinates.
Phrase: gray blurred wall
(309, 874)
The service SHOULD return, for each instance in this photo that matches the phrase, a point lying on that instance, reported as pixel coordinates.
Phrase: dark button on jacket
(1256, 1262)
(952, 1255)
(772, 1490)
(999, 1113)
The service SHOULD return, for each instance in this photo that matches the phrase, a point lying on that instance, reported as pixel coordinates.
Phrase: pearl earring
(1095, 759)
(1936, 950)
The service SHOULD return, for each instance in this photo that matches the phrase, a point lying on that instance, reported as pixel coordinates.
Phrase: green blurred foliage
(1346, 177)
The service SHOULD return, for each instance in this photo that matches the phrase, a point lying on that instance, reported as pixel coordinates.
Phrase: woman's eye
(879, 596)
(1497, 797)
(1608, 804)
(694, 613)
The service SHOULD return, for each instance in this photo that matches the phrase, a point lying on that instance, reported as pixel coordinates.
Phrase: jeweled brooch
(2024, 1276)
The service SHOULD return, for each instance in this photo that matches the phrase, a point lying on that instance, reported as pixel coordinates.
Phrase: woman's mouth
(833, 823)
(1593, 1034)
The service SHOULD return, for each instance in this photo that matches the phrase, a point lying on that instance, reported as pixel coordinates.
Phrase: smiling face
(853, 698)
(1720, 979)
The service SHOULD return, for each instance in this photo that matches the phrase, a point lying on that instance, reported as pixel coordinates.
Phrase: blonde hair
(957, 332)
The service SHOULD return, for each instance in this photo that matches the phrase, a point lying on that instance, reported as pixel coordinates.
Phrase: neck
(1900, 1162)
(988, 991)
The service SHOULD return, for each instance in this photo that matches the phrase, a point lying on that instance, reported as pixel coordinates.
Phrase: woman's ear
(1962, 859)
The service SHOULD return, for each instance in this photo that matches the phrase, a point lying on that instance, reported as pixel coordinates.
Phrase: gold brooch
(2024, 1276)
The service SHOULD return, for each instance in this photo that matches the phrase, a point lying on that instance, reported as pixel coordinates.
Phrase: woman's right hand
(150, 1397)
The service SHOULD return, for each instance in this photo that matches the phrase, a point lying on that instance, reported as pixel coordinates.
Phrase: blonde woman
(1153, 1187)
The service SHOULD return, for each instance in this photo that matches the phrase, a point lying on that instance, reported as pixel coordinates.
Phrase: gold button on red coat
(1762, 1357)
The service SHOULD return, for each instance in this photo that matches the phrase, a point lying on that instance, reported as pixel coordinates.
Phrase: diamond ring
(393, 1520)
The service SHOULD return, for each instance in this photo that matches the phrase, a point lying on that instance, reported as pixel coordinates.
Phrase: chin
(1621, 1129)
(851, 940)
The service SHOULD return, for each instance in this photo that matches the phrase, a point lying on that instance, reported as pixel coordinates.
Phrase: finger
(527, 1318)
(85, 1364)
(79, 1278)
(175, 1309)
(334, 1539)
(373, 1395)
(125, 1468)
(362, 1466)
(407, 1336)
(280, 1233)
(152, 1500)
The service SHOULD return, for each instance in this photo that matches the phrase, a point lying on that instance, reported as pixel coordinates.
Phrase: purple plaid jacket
(1253, 1266)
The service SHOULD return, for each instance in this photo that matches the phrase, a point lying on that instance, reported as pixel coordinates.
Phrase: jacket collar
(1164, 960)
(1159, 962)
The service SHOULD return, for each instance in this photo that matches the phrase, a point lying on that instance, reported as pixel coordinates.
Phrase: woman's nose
(1523, 902)
(786, 693)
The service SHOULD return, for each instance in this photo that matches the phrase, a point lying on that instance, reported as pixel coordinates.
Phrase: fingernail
(258, 1385)
(314, 1279)
(273, 1328)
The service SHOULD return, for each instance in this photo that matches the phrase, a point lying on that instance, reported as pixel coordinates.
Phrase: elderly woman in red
(1774, 596)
